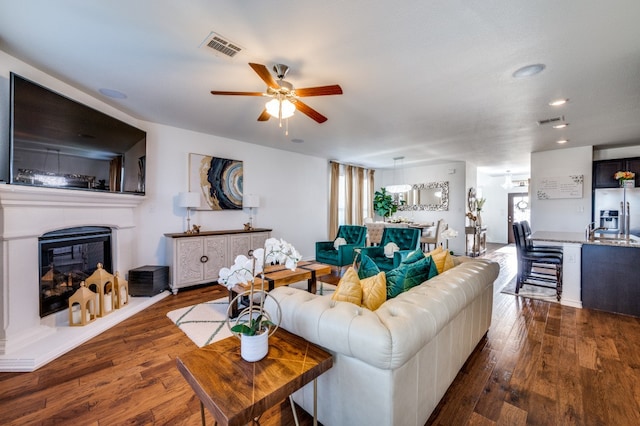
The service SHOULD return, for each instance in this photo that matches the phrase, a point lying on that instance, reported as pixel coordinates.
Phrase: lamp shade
(189, 199)
(274, 105)
(251, 200)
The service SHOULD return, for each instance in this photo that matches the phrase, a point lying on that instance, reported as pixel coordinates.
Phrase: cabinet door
(239, 244)
(603, 172)
(215, 257)
(188, 268)
(258, 239)
(633, 165)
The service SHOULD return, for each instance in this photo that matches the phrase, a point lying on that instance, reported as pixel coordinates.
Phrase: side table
(236, 391)
(476, 240)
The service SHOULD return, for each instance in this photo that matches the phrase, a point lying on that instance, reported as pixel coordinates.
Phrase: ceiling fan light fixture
(280, 109)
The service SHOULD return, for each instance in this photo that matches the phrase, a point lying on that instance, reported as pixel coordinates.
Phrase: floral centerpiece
(253, 324)
(626, 178)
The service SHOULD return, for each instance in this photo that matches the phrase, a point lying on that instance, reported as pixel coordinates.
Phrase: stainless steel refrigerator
(616, 209)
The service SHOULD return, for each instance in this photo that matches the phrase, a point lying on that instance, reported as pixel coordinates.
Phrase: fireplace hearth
(67, 257)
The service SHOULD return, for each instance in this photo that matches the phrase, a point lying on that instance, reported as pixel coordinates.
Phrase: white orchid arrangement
(245, 269)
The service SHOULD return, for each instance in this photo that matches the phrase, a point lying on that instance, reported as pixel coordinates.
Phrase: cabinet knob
(204, 259)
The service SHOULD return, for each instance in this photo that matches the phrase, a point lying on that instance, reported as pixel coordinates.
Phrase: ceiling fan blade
(222, 92)
(265, 75)
(264, 116)
(310, 112)
(320, 91)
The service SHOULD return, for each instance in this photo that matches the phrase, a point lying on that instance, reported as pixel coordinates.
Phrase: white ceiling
(427, 80)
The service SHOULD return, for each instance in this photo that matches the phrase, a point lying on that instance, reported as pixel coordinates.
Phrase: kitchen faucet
(590, 231)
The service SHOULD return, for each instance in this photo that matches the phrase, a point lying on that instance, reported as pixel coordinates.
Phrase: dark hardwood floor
(541, 364)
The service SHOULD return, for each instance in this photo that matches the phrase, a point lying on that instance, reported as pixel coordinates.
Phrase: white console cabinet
(197, 258)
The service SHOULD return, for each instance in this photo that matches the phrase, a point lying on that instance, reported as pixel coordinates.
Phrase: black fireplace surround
(67, 257)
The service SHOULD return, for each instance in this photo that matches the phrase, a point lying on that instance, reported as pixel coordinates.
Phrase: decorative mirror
(471, 199)
(432, 196)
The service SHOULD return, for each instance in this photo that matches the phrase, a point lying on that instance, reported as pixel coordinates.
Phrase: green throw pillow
(419, 272)
(367, 268)
(395, 281)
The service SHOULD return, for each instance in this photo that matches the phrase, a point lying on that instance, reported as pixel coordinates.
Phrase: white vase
(254, 348)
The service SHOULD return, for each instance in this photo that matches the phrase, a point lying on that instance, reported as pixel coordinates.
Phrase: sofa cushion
(419, 269)
(374, 291)
(339, 242)
(367, 267)
(349, 288)
(395, 281)
(389, 249)
(442, 259)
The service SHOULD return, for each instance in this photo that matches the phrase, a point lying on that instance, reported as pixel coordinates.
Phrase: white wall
(495, 211)
(455, 174)
(567, 214)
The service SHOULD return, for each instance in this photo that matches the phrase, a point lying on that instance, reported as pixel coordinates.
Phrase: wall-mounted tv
(58, 142)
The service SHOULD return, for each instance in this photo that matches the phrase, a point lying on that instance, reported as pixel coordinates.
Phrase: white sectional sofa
(393, 365)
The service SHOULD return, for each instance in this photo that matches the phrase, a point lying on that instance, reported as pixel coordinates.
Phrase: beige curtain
(334, 198)
(348, 195)
(358, 192)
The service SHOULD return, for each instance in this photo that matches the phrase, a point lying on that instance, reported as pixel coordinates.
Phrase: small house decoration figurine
(103, 283)
(82, 306)
(121, 291)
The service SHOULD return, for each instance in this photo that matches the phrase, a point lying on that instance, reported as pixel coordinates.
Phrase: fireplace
(67, 257)
(27, 213)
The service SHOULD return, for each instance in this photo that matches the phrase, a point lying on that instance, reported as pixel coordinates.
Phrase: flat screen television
(60, 143)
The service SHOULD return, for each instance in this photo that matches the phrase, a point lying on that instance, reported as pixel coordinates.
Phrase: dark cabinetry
(604, 170)
(609, 282)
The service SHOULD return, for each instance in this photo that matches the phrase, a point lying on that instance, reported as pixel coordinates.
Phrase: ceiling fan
(285, 98)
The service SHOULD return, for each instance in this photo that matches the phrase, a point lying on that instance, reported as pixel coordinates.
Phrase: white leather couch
(393, 365)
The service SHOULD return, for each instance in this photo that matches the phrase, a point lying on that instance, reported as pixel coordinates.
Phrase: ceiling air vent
(550, 120)
(221, 45)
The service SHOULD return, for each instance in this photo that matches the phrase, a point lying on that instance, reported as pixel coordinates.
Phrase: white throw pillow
(390, 248)
(339, 242)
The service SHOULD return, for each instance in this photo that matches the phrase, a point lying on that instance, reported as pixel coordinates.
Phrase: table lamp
(251, 201)
(189, 200)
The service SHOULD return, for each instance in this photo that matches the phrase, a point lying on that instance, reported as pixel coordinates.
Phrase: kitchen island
(599, 273)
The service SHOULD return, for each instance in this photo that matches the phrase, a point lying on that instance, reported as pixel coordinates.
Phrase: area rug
(205, 323)
(533, 292)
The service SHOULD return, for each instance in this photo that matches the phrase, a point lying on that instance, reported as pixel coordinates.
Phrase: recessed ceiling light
(561, 141)
(560, 126)
(558, 102)
(529, 70)
(112, 93)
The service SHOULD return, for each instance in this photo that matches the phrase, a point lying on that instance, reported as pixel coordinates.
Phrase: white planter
(254, 348)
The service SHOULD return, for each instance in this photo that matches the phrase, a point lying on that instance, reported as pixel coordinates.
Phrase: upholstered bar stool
(537, 267)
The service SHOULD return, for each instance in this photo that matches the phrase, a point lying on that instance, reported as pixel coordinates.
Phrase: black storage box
(148, 280)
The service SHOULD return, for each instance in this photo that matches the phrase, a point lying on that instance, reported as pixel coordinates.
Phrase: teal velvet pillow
(419, 271)
(395, 281)
(367, 268)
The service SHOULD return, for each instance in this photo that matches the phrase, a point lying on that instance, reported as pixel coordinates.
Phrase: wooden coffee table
(279, 275)
(236, 391)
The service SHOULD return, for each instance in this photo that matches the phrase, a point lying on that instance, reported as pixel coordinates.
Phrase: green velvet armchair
(407, 240)
(355, 237)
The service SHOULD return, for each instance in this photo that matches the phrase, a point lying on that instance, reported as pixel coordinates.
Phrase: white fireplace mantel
(25, 214)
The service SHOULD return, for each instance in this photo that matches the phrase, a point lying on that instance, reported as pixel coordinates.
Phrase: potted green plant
(384, 204)
(254, 338)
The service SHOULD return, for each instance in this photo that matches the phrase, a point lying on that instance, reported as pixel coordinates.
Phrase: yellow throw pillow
(374, 291)
(349, 288)
(442, 259)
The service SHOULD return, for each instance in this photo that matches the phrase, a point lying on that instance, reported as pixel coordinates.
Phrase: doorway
(518, 210)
